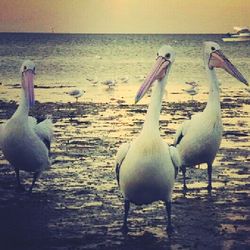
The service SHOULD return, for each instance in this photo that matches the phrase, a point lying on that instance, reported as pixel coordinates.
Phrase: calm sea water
(63, 59)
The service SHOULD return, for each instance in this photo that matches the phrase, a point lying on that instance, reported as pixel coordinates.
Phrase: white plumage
(198, 140)
(25, 143)
(146, 167)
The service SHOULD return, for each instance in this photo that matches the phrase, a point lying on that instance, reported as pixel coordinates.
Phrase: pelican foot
(170, 230)
(184, 189)
(124, 229)
(20, 188)
(30, 190)
(209, 188)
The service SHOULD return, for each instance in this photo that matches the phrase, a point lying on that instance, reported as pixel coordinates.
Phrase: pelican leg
(170, 228)
(126, 208)
(183, 170)
(35, 176)
(19, 187)
(209, 173)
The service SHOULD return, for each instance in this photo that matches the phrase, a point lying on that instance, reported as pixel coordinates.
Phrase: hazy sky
(124, 16)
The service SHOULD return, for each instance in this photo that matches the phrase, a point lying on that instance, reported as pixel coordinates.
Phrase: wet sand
(77, 204)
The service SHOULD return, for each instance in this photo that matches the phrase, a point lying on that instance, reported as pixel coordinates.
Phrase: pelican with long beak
(198, 140)
(146, 168)
(24, 142)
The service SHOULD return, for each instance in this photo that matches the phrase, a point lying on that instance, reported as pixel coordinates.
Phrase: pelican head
(165, 58)
(27, 74)
(214, 58)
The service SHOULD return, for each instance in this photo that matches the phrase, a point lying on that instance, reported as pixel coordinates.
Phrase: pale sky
(124, 16)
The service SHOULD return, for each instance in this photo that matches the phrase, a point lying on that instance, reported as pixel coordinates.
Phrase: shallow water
(68, 59)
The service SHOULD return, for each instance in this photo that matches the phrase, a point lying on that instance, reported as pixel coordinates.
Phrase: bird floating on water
(24, 142)
(146, 168)
(198, 140)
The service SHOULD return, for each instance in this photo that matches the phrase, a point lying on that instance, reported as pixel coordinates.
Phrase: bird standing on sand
(146, 168)
(193, 90)
(198, 140)
(109, 83)
(76, 93)
(25, 144)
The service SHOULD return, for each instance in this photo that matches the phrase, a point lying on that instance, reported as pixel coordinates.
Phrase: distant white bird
(77, 93)
(109, 83)
(193, 90)
(124, 79)
(248, 90)
(193, 83)
(95, 81)
(26, 143)
(146, 168)
(198, 140)
(92, 80)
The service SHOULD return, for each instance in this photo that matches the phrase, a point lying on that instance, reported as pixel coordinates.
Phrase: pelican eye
(167, 55)
(24, 68)
(34, 69)
(213, 48)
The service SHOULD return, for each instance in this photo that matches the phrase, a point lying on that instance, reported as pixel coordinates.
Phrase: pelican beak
(219, 60)
(28, 86)
(157, 73)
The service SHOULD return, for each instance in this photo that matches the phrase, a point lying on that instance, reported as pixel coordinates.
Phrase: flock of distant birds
(77, 93)
(146, 167)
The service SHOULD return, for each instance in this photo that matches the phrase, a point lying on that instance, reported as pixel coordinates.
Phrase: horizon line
(105, 33)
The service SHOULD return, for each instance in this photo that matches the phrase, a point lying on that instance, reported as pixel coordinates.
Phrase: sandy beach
(77, 203)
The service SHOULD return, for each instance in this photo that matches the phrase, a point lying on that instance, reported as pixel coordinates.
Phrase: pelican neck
(23, 108)
(214, 92)
(154, 109)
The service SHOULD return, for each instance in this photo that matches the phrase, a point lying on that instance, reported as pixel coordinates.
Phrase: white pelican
(25, 144)
(198, 139)
(76, 93)
(146, 168)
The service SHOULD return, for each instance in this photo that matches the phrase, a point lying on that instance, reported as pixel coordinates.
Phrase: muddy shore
(77, 204)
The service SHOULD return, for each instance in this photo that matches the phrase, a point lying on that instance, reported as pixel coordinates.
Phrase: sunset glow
(123, 16)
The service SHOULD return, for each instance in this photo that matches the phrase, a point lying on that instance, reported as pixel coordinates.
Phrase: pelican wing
(176, 159)
(44, 129)
(120, 156)
(181, 131)
(1, 133)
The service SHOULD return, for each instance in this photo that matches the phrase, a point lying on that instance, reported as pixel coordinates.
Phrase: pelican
(199, 138)
(146, 168)
(26, 143)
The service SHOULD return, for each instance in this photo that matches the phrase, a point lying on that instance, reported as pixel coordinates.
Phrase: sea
(88, 61)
